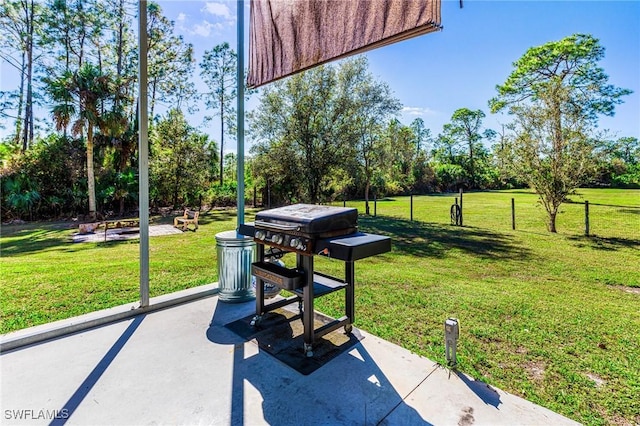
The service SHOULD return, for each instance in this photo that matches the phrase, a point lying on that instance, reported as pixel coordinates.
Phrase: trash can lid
(232, 236)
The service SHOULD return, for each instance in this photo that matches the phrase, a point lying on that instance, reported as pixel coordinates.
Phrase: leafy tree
(556, 93)
(22, 197)
(171, 62)
(627, 149)
(74, 35)
(179, 162)
(87, 88)
(466, 128)
(448, 176)
(218, 71)
(446, 148)
(367, 103)
(300, 118)
(422, 134)
(277, 166)
(401, 154)
(423, 174)
(501, 157)
(323, 130)
(18, 22)
(122, 187)
(51, 167)
(620, 162)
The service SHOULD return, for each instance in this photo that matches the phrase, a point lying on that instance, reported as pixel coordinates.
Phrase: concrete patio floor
(180, 365)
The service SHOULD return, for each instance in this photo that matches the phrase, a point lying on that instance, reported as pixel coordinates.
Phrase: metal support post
(240, 114)
(260, 284)
(143, 154)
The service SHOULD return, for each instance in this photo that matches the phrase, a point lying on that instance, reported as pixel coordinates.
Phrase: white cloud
(217, 9)
(419, 111)
(203, 29)
(181, 18)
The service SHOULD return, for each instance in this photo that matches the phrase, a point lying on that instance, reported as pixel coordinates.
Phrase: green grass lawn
(554, 318)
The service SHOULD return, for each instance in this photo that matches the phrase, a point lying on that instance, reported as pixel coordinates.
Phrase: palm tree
(79, 95)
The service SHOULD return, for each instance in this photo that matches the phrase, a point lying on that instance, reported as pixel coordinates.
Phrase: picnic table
(120, 223)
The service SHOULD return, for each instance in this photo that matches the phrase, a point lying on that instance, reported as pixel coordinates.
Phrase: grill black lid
(310, 218)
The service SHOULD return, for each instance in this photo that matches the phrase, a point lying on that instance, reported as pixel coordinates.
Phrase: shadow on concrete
(85, 387)
(486, 393)
(350, 389)
(281, 334)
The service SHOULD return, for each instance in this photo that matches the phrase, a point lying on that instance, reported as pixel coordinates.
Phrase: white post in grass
(143, 154)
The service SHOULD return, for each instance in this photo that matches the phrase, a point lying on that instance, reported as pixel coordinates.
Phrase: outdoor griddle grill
(310, 230)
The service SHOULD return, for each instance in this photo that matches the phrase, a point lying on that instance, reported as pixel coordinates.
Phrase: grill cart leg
(349, 295)
(306, 262)
(308, 350)
(259, 291)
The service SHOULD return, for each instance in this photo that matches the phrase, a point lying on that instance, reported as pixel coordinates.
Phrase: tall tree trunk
(91, 183)
(82, 34)
(20, 100)
(176, 186)
(28, 112)
(120, 47)
(221, 140)
(471, 165)
(152, 101)
(552, 221)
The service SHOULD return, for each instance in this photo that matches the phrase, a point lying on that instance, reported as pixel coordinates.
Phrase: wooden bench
(121, 223)
(188, 218)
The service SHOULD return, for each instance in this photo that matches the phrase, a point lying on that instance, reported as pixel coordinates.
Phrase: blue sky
(435, 74)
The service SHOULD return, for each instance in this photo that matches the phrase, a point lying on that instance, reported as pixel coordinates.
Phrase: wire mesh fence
(599, 213)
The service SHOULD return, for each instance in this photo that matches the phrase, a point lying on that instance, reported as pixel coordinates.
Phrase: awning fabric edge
(289, 36)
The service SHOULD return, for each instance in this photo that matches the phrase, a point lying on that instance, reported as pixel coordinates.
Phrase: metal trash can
(235, 255)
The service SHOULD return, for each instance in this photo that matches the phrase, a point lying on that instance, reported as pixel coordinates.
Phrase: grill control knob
(277, 238)
(260, 235)
(295, 243)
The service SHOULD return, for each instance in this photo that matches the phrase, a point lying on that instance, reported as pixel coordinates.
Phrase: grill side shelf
(288, 279)
(323, 284)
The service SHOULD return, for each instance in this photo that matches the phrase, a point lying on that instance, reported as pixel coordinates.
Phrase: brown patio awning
(287, 36)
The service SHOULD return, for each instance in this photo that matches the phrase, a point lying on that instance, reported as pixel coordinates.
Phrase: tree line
(329, 133)
(77, 61)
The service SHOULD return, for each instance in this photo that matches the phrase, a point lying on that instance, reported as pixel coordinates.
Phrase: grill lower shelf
(285, 278)
(323, 284)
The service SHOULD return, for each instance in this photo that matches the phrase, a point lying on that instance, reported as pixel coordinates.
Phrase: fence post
(513, 214)
(461, 214)
(255, 198)
(586, 218)
(411, 204)
(268, 194)
(375, 204)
